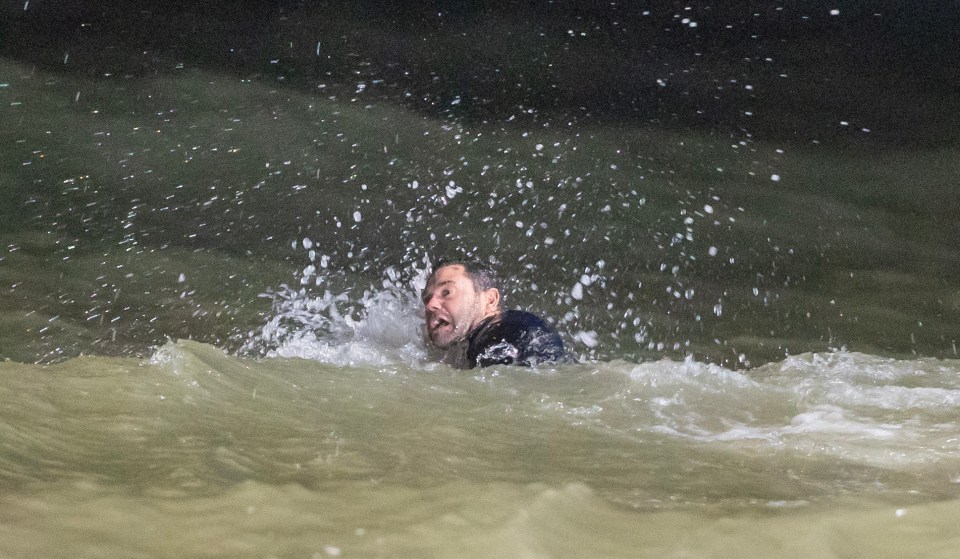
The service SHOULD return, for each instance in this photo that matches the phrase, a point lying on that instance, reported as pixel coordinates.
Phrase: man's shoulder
(522, 319)
(516, 337)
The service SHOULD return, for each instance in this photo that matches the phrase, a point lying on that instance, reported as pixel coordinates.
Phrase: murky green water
(196, 453)
(145, 209)
(210, 262)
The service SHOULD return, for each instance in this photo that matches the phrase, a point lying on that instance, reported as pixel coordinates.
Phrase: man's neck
(456, 355)
(480, 324)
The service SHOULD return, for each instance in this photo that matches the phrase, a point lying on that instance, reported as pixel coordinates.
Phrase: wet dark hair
(482, 275)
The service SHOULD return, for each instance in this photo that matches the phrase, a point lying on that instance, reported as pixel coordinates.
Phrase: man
(463, 317)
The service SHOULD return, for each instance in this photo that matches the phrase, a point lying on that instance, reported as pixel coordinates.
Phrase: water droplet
(577, 291)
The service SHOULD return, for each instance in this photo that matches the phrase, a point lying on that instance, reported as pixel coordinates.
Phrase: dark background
(890, 67)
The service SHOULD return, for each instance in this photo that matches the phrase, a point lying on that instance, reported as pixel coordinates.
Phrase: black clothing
(514, 338)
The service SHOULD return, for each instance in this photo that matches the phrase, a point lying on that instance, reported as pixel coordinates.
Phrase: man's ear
(491, 300)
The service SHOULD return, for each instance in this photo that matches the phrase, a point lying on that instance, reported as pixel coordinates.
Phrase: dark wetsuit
(514, 338)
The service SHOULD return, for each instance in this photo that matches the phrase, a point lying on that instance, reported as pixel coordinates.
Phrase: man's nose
(432, 303)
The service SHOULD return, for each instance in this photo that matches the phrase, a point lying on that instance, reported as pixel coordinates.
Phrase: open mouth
(437, 324)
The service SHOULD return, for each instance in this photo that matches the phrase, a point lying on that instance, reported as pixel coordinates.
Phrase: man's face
(453, 306)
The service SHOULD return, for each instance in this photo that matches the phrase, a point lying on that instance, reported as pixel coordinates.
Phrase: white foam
(382, 325)
(841, 404)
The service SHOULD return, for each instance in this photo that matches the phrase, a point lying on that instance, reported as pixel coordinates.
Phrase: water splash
(382, 324)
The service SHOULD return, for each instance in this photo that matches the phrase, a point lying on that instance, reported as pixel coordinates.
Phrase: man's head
(458, 295)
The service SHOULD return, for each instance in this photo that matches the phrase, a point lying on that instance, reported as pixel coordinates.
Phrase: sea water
(193, 452)
(211, 325)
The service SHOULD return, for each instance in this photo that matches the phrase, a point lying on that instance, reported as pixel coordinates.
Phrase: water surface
(213, 237)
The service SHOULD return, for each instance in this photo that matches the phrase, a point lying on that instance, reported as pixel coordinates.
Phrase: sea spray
(372, 325)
